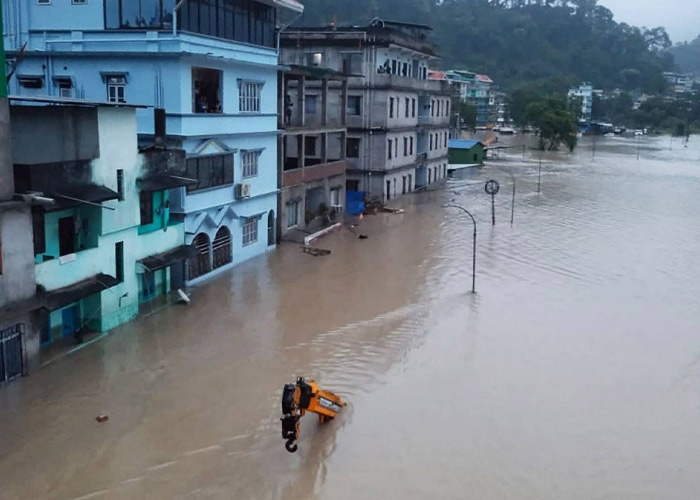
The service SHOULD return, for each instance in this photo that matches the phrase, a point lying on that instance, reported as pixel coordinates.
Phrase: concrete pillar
(302, 101)
(7, 180)
(281, 97)
(324, 102)
(344, 103)
(301, 151)
(324, 147)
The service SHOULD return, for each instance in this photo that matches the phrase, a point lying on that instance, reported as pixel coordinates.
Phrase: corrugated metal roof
(462, 143)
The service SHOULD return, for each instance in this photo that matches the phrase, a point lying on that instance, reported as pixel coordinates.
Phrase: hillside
(520, 41)
(687, 56)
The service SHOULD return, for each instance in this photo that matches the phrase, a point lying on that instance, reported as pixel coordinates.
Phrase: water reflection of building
(211, 65)
(104, 242)
(312, 147)
(398, 119)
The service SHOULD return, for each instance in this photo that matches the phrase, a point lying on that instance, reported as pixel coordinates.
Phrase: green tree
(467, 114)
(554, 122)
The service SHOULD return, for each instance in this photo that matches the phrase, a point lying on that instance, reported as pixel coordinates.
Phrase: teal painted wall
(466, 156)
(86, 237)
(160, 201)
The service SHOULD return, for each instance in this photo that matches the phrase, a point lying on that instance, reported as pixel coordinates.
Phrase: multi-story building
(312, 148)
(679, 83)
(104, 242)
(211, 65)
(584, 93)
(475, 89)
(18, 323)
(398, 119)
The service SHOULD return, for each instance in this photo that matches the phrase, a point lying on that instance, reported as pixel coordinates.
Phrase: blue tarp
(354, 202)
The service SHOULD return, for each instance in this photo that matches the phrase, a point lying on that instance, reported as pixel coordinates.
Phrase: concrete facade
(217, 83)
(390, 99)
(584, 92)
(92, 276)
(312, 150)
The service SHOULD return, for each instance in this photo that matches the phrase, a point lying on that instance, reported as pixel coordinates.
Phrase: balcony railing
(314, 173)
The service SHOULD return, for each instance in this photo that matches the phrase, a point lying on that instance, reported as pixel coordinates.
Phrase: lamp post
(512, 201)
(473, 243)
(539, 176)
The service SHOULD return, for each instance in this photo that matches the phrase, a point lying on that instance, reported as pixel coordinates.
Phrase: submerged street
(573, 373)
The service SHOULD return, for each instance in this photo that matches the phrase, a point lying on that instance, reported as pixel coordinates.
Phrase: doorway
(66, 235)
(69, 320)
(388, 190)
(271, 228)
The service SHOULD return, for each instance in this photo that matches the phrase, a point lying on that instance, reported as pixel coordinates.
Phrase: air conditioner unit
(242, 190)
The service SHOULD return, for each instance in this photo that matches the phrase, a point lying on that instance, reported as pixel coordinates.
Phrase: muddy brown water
(573, 373)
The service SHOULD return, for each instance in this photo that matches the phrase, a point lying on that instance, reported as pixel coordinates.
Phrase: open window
(206, 90)
(64, 85)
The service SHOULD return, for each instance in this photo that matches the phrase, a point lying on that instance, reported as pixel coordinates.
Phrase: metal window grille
(250, 163)
(250, 231)
(11, 352)
(221, 246)
(293, 213)
(249, 101)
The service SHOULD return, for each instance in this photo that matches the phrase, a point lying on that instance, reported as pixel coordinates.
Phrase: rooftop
(64, 101)
(462, 143)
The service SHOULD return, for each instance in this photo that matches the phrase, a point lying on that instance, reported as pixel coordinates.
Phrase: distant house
(465, 152)
(584, 92)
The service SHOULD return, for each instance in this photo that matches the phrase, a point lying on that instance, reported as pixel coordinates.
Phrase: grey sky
(681, 18)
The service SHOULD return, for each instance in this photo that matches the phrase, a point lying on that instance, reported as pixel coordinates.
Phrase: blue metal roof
(462, 143)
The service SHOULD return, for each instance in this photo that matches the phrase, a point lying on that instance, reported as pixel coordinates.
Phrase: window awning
(73, 196)
(162, 182)
(61, 297)
(165, 259)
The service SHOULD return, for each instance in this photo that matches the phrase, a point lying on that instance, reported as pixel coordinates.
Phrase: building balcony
(313, 173)
(213, 124)
(416, 84)
(70, 269)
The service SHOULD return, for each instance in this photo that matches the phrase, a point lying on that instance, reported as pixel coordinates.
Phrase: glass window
(352, 147)
(311, 104)
(293, 213)
(335, 197)
(250, 231)
(249, 98)
(314, 59)
(355, 105)
(249, 161)
(210, 171)
(116, 89)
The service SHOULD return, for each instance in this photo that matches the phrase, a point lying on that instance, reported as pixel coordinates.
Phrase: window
(391, 107)
(206, 90)
(311, 104)
(407, 106)
(116, 89)
(396, 147)
(352, 63)
(38, 230)
(314, 59)
(250, 231)
(445, 141)
(79, 2)
(405, 146)
(447, 108)
(310, 145)
(210, 171)
(66, 236)
(404, 71)
(249, 100)
(119, 261)
(432, 107)
(431, 142)
(293, 208)
(120, 184)
(352, 146)
(393, 67)
(65, 87)
(355, 105)
(413, 107)
(249, 160)
(410, 151)
(31, 82)
(43, 2)
(146, 207)
(335, 197)
(391, 148)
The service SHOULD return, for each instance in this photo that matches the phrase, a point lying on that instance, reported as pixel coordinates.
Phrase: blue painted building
(212, 66)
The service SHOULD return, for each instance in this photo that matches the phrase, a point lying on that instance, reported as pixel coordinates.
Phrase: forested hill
(687, 56)
(520, 41)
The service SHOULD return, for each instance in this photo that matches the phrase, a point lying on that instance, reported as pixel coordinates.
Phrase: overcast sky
(681, 18)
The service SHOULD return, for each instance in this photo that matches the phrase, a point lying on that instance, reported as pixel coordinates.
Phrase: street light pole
(539, 175)
(473, 243)
(512, 202)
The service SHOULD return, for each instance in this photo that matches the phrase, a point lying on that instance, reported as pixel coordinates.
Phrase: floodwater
(573, 373)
